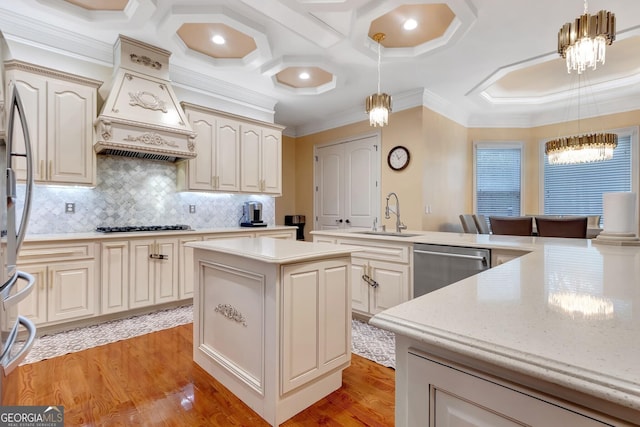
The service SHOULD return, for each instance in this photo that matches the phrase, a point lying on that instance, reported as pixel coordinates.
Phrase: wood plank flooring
(152, 380)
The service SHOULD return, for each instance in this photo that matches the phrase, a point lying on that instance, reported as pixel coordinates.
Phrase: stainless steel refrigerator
(17, 332)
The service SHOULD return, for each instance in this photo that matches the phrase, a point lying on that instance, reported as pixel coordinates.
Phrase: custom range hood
(141, 116)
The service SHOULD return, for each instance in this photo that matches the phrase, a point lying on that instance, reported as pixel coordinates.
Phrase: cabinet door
(200, 170)
(141, 273)
(34, 306)
(33, 93)
(393, 285)
(250, 173)
(115, 276)
(227, 156)
(71, 109)
(71, 291)
(271, 161)
(186, 268)
(359, 287)
(166, 271)
(448, 396)
(316, 321)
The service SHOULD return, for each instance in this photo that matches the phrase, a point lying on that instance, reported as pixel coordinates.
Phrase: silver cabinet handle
(370, 281)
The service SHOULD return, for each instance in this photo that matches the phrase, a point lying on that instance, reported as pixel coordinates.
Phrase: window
(498, 178)
(577, 189)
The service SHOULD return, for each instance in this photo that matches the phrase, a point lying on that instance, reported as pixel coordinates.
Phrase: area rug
(367, 341)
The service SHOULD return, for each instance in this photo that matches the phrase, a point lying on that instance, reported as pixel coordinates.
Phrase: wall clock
(398, 158)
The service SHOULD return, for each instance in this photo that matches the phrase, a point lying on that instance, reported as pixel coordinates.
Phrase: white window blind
(577, 189)
(498, 180)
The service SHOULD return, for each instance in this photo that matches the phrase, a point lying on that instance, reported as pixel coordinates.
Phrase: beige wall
(440, 172)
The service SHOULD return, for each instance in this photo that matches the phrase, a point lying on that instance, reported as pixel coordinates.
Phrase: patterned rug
(367, 341)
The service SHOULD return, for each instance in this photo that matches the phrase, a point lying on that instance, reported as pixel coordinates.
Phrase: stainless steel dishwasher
(436, 266)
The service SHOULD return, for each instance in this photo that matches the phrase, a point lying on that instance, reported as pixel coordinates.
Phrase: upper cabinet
(234, 154)
(261, 159)
(59, 109)
(216, 166)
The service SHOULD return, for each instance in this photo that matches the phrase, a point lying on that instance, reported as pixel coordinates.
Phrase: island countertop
(566, 313)
(274, 251)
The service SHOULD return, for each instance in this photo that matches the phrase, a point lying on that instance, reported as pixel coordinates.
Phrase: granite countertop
(274, 251)
(567, 312)
(94, 235)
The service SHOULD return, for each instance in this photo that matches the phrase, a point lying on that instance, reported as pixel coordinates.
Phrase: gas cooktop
(132, 228)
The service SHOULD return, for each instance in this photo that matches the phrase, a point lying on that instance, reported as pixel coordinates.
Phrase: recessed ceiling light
(410, 24)
(218, 39)
(304, 75)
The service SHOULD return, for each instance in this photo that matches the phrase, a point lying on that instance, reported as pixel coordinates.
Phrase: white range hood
(141, 116)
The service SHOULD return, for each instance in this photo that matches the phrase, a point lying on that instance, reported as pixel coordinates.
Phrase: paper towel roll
(619, 212)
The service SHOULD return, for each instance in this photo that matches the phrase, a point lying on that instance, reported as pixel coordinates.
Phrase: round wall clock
(398, 158)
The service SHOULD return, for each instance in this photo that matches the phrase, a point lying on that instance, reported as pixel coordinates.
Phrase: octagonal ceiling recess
(291, 76)
(199, 37)
(432, 20)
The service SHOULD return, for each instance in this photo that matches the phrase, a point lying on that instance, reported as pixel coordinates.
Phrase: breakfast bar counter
(549, 338)
(272, 320)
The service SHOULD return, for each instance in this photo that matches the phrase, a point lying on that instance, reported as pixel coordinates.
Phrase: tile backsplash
(134, 192)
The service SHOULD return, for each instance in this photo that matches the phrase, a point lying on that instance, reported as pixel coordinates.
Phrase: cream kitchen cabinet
(441, 394)
(153, 271)
(380, 273)
(59, 109)
(65, 282)
(114, 276)
(185, 267)
(217, 166)
(261, 159)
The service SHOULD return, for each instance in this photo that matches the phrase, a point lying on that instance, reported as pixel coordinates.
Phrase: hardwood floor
(152, 380)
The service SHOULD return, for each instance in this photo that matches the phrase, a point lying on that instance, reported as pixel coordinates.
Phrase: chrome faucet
(399, 225)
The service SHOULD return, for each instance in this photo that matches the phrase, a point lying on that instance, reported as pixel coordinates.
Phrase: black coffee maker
(252, 215)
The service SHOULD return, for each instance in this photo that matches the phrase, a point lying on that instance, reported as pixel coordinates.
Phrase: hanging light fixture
(581, 148)
(378, 105)
(583, 43)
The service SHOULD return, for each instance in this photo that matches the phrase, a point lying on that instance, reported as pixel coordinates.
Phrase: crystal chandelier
(378, 105)
(593, 147)
(583, 43)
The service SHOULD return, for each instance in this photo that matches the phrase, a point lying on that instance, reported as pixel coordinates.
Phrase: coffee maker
(252, 215)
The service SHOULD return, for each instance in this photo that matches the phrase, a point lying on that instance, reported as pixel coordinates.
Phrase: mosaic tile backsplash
(134, 192)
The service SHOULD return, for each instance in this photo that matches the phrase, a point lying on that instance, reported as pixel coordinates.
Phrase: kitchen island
(548, 338)
(272, 320)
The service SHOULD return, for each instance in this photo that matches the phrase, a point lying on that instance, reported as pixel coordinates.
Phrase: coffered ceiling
(481, 63)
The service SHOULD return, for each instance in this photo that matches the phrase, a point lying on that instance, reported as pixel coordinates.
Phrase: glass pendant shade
(378, 107)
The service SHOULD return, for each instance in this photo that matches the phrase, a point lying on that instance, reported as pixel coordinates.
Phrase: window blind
(577, 189)
(498, 180)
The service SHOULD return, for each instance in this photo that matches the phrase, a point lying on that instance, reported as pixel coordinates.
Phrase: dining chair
(511, 225)
(468, 224)
(481, 224)
(573, 227)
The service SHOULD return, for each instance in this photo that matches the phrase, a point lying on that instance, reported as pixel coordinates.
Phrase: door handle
(451, 255)
(370, 281)
(348, 222)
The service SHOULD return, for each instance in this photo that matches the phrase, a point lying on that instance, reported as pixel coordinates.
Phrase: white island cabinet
(272, 320)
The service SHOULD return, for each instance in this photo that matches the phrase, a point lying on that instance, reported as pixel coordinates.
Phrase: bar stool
(511, 225)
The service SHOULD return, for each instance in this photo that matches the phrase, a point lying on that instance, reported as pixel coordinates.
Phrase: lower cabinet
(65, 282)
(114, 276)
(62, 292)
(316, 321)
(378, 285)
(442, 394)
(186, 280)
(153, 271)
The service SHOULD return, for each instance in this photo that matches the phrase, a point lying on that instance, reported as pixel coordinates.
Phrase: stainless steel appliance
(252, 215)
(436, 266)
(16, 285)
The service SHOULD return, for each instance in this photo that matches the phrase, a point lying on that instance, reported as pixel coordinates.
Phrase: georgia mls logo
(32, 416)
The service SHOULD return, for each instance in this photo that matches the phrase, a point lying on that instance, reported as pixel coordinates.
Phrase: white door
(346, 182)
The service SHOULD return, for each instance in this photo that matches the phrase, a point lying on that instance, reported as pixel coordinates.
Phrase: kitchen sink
(386, 233)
